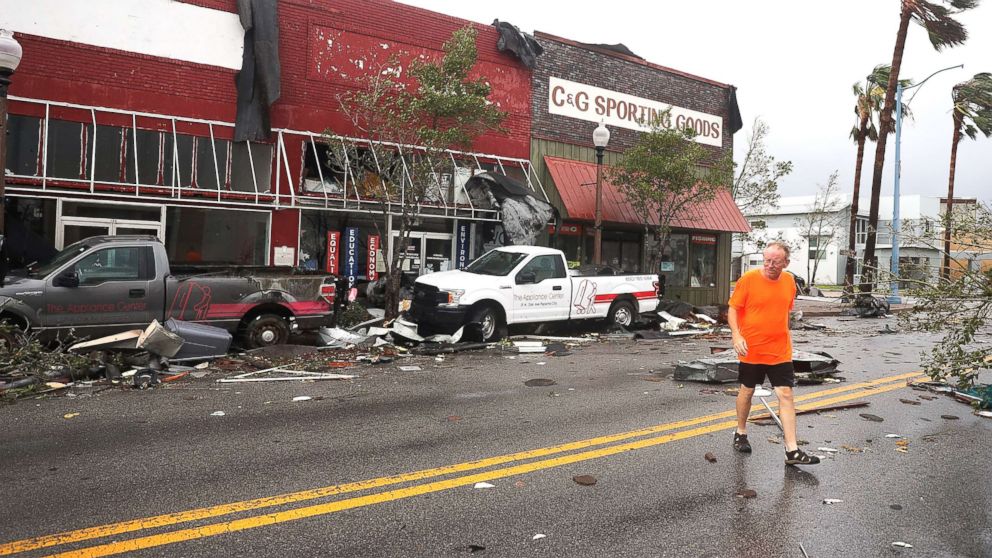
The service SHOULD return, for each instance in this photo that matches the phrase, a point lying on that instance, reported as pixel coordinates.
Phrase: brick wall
(566, 60)
(71, 72)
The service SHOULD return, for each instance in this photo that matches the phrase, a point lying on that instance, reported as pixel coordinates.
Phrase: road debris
(810, 367)
(302, 398)
(710, 457)
(279, 374)
(484, 485)
(827, 449)
(584, 480)
(949, 417)
(747, 493)
(830, 501)
(763, 419)
(870, 417)
(539, 382)
(218, 414)
(411, 368)
(538, 537)
(909, 402)
(70, 415)
(901, 544)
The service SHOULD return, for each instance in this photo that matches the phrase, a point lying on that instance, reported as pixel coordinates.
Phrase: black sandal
(741, 444)
(799, 457)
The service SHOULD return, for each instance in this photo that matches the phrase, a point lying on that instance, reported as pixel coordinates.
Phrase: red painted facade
(325, 47)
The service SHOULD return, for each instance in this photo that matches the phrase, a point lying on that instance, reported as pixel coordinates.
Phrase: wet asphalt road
(130, 455)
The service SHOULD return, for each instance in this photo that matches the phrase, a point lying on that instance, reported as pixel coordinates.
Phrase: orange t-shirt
(763, 309)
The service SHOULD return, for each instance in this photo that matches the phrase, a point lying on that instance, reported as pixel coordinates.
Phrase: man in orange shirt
(759, 323)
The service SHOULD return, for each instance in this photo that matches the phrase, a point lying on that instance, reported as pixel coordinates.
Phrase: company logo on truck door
(585, 297)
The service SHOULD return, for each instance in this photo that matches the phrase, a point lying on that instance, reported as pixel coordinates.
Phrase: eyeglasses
(774, 263)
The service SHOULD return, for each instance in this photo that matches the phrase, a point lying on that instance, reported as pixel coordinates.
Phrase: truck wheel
(490, 322)
(266, 330)
(621, 313)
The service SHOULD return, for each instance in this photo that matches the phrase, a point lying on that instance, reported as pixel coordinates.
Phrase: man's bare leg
(744, 396)
(787, 413)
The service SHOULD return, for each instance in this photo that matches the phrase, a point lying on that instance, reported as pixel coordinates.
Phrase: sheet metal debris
(722, 367)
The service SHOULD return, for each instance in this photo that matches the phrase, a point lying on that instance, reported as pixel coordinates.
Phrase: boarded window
(22, 145)
(147, 159)
(241, 165)
(206, 171)
(65, 149)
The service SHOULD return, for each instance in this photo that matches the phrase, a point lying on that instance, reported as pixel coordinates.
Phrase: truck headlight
(453, 295)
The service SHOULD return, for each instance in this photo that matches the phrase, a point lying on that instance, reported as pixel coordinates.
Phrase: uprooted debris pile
(811, 368)
(868, 306)
(978, 396)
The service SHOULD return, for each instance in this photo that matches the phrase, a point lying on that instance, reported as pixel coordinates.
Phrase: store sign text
(594, 104)
(333, 242)
(372, 272)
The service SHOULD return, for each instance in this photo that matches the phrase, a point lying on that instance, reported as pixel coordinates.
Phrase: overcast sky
(793, 66)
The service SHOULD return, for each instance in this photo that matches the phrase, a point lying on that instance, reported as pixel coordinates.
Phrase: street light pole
(600, 138)
(10, 57)
(894, 297)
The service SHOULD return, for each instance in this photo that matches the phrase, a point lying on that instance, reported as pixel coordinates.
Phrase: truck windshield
(70, 251)
(495, 262)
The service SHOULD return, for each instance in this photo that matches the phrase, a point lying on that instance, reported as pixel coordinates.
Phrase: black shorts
(780, 375)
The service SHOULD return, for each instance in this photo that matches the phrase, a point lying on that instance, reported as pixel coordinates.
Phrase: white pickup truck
(526, 284)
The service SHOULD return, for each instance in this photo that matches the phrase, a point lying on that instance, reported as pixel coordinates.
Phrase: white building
(828, 240)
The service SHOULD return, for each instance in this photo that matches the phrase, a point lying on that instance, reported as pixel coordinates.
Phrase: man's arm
(740, 345)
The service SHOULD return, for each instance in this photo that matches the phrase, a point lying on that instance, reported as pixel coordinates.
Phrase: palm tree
(944, 31)
(869, 103)
(972, 114)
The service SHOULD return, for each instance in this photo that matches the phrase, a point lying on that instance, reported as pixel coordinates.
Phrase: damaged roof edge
(640, 61)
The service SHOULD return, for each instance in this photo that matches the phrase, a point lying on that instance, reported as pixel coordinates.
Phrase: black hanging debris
(618, 48)
(525, 46)
(736, 122)
(258, 82)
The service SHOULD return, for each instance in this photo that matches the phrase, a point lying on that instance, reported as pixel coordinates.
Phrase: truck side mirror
(526, 277)
(67, 279)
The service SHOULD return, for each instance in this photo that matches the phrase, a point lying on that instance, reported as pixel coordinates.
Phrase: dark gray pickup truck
(108, 284)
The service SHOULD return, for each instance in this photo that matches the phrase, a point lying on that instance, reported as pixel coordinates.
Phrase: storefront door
(426, 253)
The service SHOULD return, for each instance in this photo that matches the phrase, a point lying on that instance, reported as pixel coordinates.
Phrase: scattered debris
(950, 417)
(896, 507)
(888, 330)
(302, 398)
(539, 382)
(747, 493)
(218, 414)
(70, 415)
(986, 414)
(484, 485)
(829, 501)
(279, 374)
(722, 367)
(852, 449)
(409, 368)
(827, 450)
(529, 346)
(763, 418)
(710, 457)
(584, 480)
(870, 417)
(538, 536)
(901, 544)
(893, 436)
(472, 548)
(909, 402)
(868, 306)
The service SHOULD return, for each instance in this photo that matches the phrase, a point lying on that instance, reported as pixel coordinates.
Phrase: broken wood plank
(804, 411)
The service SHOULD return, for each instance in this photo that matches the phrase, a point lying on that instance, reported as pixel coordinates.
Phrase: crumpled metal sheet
(258, 82)
(723, 367)
(523, 45)
(524, 216)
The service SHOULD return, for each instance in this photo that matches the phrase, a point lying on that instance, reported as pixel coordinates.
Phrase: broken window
(211, 161)
(242, 160)
(23, 133)
(318, 165)
(674, 261)
(64, 146)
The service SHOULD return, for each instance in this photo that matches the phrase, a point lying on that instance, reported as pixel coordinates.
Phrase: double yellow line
(839, 395)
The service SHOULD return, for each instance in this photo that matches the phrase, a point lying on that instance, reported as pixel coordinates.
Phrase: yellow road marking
(402, 493)
(289, 498)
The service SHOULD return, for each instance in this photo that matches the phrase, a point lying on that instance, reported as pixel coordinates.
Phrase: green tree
(867, 107)
(958, 308)
(409, 125)
(944, 31)
(972, 114)
(661, 178)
